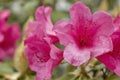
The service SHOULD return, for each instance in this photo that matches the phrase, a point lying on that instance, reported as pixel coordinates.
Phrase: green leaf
(65, 77)
(6, 68)
(114, 77)
(2, 79)
(57, 15)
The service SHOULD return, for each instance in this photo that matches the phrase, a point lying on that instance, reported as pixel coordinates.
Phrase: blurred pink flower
(43, 56)
(112, 59)
(9, 34)
(4, 15)
(84, 35)
(117, 23)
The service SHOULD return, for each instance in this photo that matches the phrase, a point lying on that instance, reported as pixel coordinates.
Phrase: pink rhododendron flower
(85, 35)
(9, 34)
(43, 56)
(112, 58)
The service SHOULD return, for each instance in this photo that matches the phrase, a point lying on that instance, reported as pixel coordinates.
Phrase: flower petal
(63, 31)
(43, 14)
(14, 31)
(56, 53)
(117, 23)
(2, 54)
(1, 37)
(102, 44)
(33, 61)
(108, 60)
(75, 56)
(80, 13)
(36, 28)
(103, 23)
(46, 72)
(112, 58)
(111, 61)
(43, 17)
(4, 15)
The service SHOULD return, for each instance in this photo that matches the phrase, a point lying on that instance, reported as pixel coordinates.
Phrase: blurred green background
(23, 10)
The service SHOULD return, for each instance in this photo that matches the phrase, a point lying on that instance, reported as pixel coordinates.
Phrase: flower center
(42, 57)
(85, 40)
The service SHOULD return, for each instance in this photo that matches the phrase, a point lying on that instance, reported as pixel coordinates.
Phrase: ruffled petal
(36, 28)
(43, 14)
(63, 32)
(56, 53)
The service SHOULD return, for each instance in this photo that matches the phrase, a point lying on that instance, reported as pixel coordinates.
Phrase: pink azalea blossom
(85, 35)
(43, 56)
(112, 58)
(9, 34)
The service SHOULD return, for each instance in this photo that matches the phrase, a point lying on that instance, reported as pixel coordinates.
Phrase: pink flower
(112, 58)
(85, 35)
(4, 15)
(117, 23)
(9, 34)
(43, 56)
